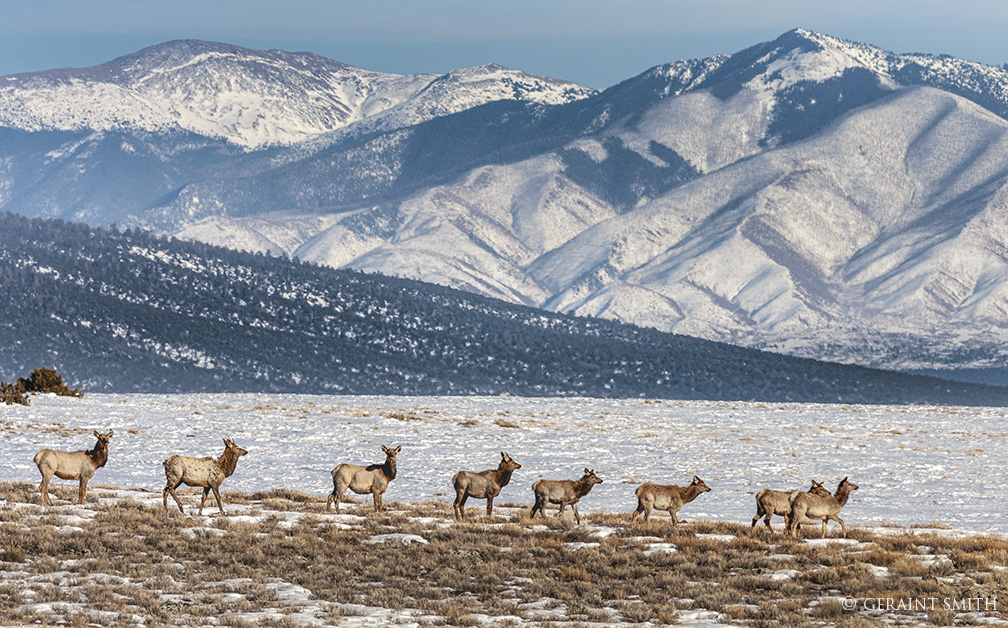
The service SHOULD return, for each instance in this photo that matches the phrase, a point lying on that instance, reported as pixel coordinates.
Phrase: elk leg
(216, 494)
(377, 501)
(640, 509)
(675, 518)
(81, 491)
(489, 506)
(842, 526)
(823, 536)
(536, 506)
(44, 491)
(577, 517)
(206, 491)
(171, 489)
(175, 497)
(338, 491)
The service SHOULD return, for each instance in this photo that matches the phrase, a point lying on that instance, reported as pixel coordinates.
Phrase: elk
(563, 492)
(483, 485)
(373, 479)
(207, 473)
(72, 465)
(666, 497)
(770, 502)
(823, 507)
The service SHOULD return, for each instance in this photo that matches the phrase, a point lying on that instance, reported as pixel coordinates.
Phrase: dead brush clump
(18, 492)
(782, 613)
(11, 552)
(133, 560)
(282, 497)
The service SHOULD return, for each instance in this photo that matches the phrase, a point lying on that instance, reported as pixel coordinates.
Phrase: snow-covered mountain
(251, 98)
(812, 195)
(131, 311)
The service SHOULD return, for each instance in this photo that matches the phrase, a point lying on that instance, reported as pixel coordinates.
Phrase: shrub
(45, 380)
(12, 393)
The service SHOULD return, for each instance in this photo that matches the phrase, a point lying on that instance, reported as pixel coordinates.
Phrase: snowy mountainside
(810, 195)
(795, 196)
(128, 311)
(250, 98)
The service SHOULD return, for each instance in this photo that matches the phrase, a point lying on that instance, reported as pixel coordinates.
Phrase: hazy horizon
(593, 43)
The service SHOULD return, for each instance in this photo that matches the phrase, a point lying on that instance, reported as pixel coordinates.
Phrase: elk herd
(207, 473)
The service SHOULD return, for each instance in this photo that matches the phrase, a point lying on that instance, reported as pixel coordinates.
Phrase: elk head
(590, 477)
(507, 464)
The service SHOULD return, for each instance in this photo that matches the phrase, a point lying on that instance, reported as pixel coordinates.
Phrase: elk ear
(384, 448)
(226, 443)
(110, 433)
(843, 480)
(97, 435)
(398, 449)
(504, 455)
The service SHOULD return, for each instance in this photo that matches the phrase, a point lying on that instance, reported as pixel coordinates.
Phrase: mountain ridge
(809, 195)
(126, 311)
(250, 98)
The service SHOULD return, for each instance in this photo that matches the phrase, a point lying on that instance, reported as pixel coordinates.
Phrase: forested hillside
(129, 311)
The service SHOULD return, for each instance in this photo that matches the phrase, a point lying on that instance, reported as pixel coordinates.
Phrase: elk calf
(483, 485)
(823, 507)
(204, 472)
(72, 465)
(563, 492)
(666, 497)
(372, 479)
(770, 502)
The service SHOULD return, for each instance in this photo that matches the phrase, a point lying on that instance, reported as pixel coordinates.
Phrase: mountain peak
(250, 98)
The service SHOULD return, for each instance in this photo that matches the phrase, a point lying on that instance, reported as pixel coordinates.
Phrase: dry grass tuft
(135, 560)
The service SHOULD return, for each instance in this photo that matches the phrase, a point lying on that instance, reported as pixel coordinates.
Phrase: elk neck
(389, 469)
(502, 476)
(690, 493)
(227, 462)
(842, 494)
(582, 486)
(98, 455)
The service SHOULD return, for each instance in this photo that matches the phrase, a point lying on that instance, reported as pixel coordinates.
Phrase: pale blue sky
(593, 42)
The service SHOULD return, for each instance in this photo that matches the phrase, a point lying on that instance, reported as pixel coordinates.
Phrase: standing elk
(72, 465)
(483, 485)
(666, 497)
(372, 479)
(823, 507)
(770, 502)
(563, 492)
(207, 473)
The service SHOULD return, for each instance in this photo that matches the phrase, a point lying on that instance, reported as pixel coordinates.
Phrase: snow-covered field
(913, 464)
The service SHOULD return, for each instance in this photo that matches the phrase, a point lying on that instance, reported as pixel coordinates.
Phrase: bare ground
(277, 559)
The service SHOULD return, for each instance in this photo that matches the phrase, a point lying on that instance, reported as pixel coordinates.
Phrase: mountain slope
(128, 311)
(251, 98)
(860, 208)
(810, 195)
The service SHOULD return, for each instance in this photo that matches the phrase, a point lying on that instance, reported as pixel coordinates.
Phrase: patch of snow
(397, 537)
